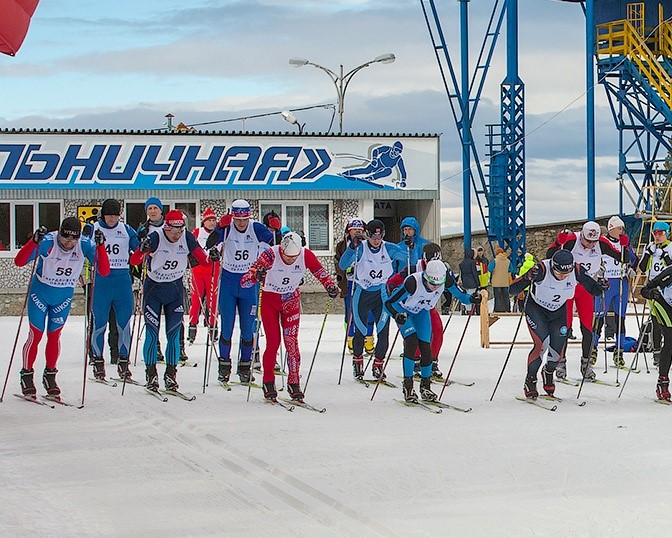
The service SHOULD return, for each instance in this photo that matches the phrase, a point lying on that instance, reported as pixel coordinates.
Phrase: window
(310, 220)
(18, 221)
(135, 212)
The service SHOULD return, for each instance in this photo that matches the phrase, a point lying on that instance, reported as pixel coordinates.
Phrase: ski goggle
(378, 235)
(174, 229)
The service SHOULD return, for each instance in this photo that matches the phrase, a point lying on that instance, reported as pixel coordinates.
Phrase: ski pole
(592, 345)
(347, 330)
(457, 350)
(212, 324)
(256, 335)
(513, 342)
(94, 269)
(18, 330)
(634, 359)
(450, 316)
(324, 322)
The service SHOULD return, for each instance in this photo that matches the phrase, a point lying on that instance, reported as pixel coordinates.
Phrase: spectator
(502, 276)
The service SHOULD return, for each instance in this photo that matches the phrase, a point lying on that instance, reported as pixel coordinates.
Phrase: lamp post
(291, 118)
(341, 80)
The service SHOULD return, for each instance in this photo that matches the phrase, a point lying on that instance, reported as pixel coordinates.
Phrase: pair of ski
(577, 382)
(542, 398)
(368, 382)
(434, 407)
(163, 394)
(47, 400)
(289, 404)
(441, 381)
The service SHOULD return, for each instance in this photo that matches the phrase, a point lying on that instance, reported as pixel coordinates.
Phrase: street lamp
(291, 118)
(341, 80)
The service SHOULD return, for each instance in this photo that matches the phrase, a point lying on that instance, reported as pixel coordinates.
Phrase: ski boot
(586, 370)
(547, 377)
(358, 367)
(170, 378)
(183, 357)
(191, 336)
(593, 355)
(294, 391)
(570, 334)
(122, 368)
(256, 363)
(349, 341)
(561, 369)
(662, 388)
(27, 384)
(99, 368)
(377, 369)
(49, 382)
(152, 377)
(436, 373)
(369, 346)
(114, 358)
(245, 372)
(409, 394)
(270, 393)
(618, 358)
(224, 372)
(530, 388)
(426, 392)
(416, 368)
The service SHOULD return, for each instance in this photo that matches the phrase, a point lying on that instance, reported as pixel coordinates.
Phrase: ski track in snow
(222, 466)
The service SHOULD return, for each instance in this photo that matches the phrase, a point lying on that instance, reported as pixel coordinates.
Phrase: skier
(658, 291)
(552, 284)
(166, 251)
(280, 269)
(202, 284)
(502, 271)
(469, 275)
(657, 256)
(616, 297)
(242, 239)
(409, 305)
(431, 251)
(373, 261)
(587, 246)
(272, 221)
(60, 259)
(114, 291)
(345, 279)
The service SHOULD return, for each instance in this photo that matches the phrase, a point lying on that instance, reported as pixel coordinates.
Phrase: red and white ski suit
(202, 292)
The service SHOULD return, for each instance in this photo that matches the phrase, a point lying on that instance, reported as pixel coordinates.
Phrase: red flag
(14, 20)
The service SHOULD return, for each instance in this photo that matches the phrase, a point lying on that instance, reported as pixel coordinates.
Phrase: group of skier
(256, 269)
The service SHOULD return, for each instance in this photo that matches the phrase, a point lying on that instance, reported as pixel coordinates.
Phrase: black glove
(401, 317)
(145, 245)
(532, 273)
(475, 298)
(143, 231)
(408, 241)
(355, 241)
(99, 237)
(260, 274)
(39, 234)
(603, 283)
(214, 254)
(87, 231)
(649, 292)
(333, 291)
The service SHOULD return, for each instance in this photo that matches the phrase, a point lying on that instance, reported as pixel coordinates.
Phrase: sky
(125, 65)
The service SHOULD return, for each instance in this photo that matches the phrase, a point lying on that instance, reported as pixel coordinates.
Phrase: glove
(225, 221)
(214, 254)
(143, 232)
(333, 291)
(145, 245)
(623, 240)
(532, 273)
(99, 237)
(39, 234)
(564, 236)
(400, 317)
(649, 292)
(654, 250)
(475, 298)
(274, 222)
(631, 274)
(260, 274)
(408, 241)
(87, 231)
(355, 241)
(603, 283)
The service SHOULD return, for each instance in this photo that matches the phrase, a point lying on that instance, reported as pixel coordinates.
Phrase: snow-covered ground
(222, 466)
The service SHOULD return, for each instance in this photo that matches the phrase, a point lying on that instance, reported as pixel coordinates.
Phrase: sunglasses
(67, 239)
(376, 236)
(175, 229)
(658, 232)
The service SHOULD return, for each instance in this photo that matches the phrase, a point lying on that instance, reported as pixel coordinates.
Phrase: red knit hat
(208, 214)
(174, 218)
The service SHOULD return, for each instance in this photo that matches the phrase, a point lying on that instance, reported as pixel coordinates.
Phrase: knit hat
(153, 201)
(662, 226)
(615, 222)
(110, 207)
(562, 261)
(174, 218)
(435, 272)
(71, 227)
(355, 224)
(375, 226)
(208, 214)
(291, 244)
(240, 209)
(591, 231)
(499, 250)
